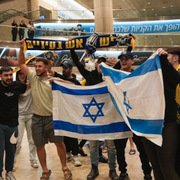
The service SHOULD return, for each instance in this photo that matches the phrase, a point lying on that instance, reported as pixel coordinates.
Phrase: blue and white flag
(86, 112)
(139, 97)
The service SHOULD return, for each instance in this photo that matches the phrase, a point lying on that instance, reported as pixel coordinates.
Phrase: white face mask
(90, 66)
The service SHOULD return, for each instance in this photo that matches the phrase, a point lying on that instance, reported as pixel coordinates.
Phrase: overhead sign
(136, 27)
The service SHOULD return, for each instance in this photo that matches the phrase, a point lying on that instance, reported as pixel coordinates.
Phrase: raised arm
(12, 62)
(21, 59)
(167, 69)
(80, 66)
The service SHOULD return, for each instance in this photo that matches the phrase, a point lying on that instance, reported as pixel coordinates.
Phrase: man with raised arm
(42, 122)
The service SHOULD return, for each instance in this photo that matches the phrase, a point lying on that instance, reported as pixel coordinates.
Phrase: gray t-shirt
(25, 103)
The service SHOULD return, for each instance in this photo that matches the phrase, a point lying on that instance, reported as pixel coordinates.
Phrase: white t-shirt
(30, 27)
(25, 103)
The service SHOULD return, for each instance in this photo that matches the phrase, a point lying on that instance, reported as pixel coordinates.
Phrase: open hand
(162, 52)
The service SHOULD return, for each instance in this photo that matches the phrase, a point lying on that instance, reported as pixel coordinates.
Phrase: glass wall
(168, 39)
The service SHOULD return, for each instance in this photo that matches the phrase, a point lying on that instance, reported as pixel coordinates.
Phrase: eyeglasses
(21, 74)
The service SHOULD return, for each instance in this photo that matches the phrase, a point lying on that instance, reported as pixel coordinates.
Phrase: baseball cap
(67, 64)
(79, 25)
(127, 54)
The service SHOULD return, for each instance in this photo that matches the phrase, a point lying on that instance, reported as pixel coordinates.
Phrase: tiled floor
(25, 172)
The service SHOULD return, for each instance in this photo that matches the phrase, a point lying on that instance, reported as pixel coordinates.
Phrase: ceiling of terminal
(137, 8)
(134, 4)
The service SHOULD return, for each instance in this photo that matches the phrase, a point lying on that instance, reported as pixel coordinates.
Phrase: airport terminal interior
(155, 24)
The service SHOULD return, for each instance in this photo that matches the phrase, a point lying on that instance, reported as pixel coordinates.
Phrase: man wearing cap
(79, 30)
(94, 77)
(71, 143)
(125, 63)
(67, 72)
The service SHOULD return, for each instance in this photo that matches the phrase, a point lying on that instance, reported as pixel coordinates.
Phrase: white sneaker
(34, 164)
(76, 161)
(68, 157)
(9, 176)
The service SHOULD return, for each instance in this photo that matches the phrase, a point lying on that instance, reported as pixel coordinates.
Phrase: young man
(92, 78)
(125, 64)
(71, 143)
(79, 31)
(174, 58)
(42, 122)
(9, 95)
(163, 158)
(25, 121)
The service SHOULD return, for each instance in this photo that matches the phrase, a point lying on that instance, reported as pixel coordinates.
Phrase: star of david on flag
(126, 102)
(139, 97)
(86, 112)
(99, 109)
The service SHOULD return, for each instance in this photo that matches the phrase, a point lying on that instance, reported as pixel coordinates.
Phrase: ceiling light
(171, 5)
(149, 3)
(155, 14)
(152, 9)
(164, 7)
(54, 3)
(69, 7)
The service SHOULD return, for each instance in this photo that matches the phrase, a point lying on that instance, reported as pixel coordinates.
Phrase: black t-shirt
(14, 24)
(9, 103)
(74, 81)
(93, 77)
(20, 29)
(77, 32)
(171, 79)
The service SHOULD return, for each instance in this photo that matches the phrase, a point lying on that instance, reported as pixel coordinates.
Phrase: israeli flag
(139, 97)
(86, 112)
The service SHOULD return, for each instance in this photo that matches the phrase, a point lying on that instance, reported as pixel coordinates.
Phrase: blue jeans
(94, 153)
(8, 139)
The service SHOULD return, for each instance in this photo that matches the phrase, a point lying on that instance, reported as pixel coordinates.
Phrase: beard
(66, 75)
(7, 83)
(40, 74)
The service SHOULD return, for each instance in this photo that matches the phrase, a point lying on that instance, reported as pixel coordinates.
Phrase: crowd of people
(27, 103)
(21, 30)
